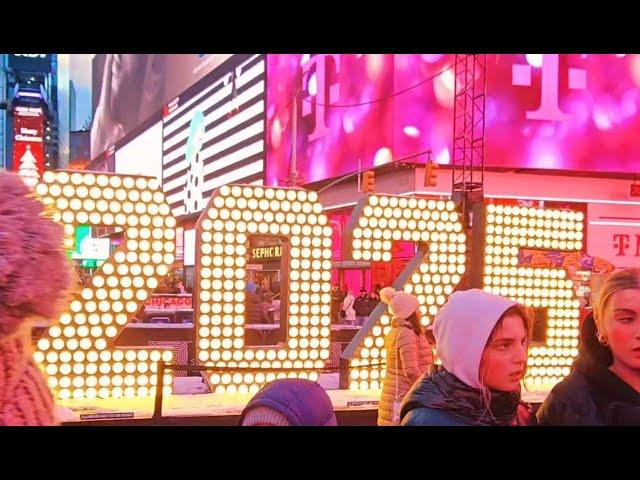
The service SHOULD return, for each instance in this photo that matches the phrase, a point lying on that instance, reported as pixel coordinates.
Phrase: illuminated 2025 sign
(77, 353)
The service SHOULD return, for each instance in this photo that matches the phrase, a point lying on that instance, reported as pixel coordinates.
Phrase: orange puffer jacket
(408, 356)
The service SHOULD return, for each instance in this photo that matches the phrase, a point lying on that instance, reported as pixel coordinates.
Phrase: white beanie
(462, 328)
(401, 304)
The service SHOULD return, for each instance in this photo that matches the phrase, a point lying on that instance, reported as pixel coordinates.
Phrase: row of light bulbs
(528, 282)
(513, 211)
(412, 203)
(559, 231)
(79, 180)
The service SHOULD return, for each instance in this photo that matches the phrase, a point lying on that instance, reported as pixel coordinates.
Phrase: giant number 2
(432, 274)
(77, 354)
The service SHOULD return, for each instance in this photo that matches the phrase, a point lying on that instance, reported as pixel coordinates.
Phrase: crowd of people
(261, 302)
(173, 285)
(482, 341)
(347, 309)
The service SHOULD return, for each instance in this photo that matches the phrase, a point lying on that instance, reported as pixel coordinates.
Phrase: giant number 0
(76, 354)
(234, 212)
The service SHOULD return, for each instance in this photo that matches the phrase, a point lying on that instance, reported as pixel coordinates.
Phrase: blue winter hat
(302, 402)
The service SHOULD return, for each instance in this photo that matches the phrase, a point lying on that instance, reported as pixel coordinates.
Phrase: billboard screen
(142, 155)
(214, 134)
(28, 146)
(552, 111)
(129, 88)
(30, 62)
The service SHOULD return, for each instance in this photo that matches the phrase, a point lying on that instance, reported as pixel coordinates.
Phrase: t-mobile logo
(621, 243)
(549, 108)
(319, 92)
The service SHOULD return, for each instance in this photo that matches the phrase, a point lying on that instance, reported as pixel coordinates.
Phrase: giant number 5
(508, 230)
(76, 354)
(432, 274)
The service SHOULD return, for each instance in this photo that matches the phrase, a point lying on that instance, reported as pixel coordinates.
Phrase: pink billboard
(551, 111)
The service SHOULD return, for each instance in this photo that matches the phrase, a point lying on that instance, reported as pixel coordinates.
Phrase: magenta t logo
(325, 93)
(621, 243)
(549, 108)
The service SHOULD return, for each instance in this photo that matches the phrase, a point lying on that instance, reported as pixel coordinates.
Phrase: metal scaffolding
(468, 125)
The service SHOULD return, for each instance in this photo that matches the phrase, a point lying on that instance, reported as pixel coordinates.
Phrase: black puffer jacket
(253, 308)
(361, 306)
(591, 394)
(441, 399)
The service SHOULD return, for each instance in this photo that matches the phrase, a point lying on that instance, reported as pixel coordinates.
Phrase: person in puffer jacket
(482, 342)
(253, 305)
(289, 402)
(408, 353)
(603, 387)
(35, 278)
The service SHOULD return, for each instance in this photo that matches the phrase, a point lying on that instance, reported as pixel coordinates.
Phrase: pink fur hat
(35, 275)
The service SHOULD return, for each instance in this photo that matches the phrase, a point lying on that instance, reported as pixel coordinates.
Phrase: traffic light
(368, 181)
(430, 174)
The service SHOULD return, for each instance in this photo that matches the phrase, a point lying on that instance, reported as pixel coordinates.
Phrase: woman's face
(504, 359)
(621, 325)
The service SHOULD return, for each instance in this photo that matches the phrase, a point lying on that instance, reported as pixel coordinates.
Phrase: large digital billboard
(129, 88)
(213, 134)
(551, 111)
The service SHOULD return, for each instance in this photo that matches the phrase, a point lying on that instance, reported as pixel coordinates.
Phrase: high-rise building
(34, 111)
(79, 150)
(72, 107)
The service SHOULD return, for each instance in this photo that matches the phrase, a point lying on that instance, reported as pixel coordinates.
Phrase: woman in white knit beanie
(409, 354)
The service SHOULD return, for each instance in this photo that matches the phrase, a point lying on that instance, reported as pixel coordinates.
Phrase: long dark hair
(413, 322)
